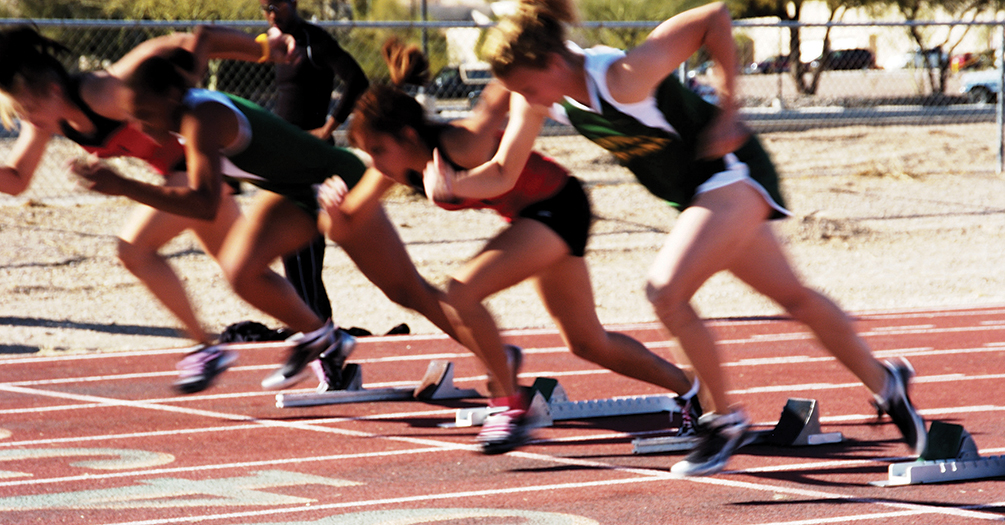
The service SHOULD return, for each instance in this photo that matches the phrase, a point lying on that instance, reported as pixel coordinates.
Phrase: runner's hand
(95, 176)
(331, 194)
(437, 179)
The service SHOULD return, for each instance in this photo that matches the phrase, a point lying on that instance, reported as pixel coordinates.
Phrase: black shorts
(567, 213)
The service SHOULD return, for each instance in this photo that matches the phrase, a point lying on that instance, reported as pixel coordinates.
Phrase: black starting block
(799, 425)
(951, 455)
(437, 383)
(550, 403)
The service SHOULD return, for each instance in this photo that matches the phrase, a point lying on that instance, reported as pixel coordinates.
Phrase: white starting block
(951, 455)
(549, 403)
(437, 383)
(799, 425)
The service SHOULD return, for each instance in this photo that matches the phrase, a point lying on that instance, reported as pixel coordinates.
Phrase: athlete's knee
(588, 349)
(132, 256)
(404, 291)
(239, 271)
(664, 297)
(461, 297)
(673, 308)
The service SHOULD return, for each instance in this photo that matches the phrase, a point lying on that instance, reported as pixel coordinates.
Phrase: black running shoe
(897, 403)
(331, 362)
(301, 355)
(690, 412)
(719, 436)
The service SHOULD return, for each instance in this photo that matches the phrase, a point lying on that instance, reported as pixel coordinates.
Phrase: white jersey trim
(597, 60)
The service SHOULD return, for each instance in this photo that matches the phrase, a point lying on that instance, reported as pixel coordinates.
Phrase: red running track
(103, 438)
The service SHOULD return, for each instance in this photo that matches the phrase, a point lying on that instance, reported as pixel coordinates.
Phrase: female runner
(549, 217)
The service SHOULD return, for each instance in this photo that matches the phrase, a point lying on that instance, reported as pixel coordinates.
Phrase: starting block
(550, 403)
(951, 455)
(799, 425)
(437, 383)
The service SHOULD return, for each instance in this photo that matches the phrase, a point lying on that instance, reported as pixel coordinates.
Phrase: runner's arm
(200, 199)
(499, 174)
(348, 70)
(19, 169)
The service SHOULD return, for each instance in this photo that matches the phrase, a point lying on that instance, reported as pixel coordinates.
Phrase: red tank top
(540, 179)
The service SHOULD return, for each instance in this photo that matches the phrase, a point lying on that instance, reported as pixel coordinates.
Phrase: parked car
(844, 59)
(464, 81)
(917, 59)
(775, 64)
(981, 86)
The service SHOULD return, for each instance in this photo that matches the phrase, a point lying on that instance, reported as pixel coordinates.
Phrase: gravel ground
(885, 218)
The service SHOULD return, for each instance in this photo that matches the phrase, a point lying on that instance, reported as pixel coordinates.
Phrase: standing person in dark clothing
(305, 89)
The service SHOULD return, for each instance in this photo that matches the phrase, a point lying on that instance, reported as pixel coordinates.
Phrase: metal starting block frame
(951, 455)
(799, 425)
(437, 383)
(550, 403)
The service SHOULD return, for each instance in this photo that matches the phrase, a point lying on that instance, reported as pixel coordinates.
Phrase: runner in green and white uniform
(657, 138)
(702, 160)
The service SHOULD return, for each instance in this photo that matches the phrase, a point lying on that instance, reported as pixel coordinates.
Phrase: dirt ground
(885, 218)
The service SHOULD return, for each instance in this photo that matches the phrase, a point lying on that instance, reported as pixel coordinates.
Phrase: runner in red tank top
(549, 216)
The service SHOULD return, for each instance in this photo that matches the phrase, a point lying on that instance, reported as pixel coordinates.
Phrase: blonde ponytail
(528, 37)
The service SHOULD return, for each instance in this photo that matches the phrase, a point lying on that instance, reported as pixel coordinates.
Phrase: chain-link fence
(866, 75)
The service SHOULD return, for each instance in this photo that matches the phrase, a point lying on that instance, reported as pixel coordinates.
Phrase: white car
(981, 86)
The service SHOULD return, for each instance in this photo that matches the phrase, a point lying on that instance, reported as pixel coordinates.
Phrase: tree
(924, 37)
(791, 11)
(181, 9)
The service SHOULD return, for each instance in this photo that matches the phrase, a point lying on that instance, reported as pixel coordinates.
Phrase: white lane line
(647, 476)
(759, 361)
(111, 402)
(656, 474)
(558, 374)
(858, 316)
(863, 517)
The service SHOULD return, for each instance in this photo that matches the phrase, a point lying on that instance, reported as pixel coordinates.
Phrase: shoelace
(687, 423)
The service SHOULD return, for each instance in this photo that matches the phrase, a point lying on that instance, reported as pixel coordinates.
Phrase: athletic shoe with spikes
(306, 350)
(895, 401)
(719, 436)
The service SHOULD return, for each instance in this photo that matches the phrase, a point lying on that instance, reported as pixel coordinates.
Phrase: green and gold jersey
(657, 138)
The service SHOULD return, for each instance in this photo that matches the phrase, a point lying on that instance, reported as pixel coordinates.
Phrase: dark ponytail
(157, 75)
(27, 63)
(388, 109)
(30, 57)
(406, 63)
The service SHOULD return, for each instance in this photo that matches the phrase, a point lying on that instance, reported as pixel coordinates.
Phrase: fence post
(1000, 105)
